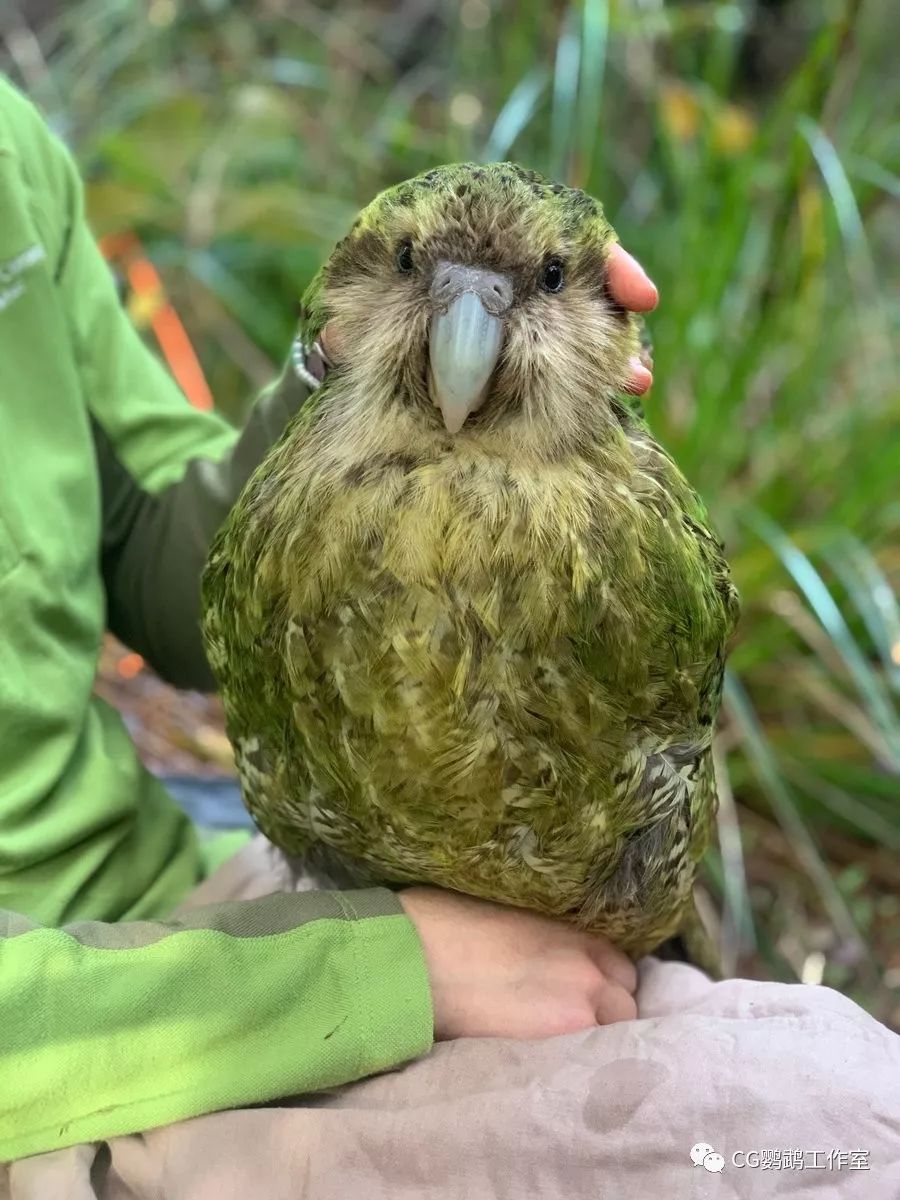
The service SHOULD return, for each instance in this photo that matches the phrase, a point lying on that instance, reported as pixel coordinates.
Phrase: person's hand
(505, 972)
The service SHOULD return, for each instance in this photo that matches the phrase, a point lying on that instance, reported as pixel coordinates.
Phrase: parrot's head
(476, 298)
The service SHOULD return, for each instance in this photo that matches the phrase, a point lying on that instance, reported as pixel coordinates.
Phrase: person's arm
(155, 540)
(169, 473)
(111, 1029)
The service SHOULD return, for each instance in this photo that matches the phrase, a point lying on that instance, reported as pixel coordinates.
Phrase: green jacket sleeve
(111, 1029)
(169, 473)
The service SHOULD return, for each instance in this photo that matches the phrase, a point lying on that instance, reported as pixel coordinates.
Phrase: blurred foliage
(749, 154)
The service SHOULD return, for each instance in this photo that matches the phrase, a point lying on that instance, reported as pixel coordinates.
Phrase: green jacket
(113, 1018)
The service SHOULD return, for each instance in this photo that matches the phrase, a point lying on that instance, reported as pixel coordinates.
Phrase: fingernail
(647, 299)
(651, 285)
(640, 267)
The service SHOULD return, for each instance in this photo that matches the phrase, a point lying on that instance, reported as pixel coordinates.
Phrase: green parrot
(468, 618)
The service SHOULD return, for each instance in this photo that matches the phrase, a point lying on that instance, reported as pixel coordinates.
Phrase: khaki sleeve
(155, 542)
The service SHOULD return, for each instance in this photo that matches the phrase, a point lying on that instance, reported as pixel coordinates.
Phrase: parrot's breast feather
(493, 675)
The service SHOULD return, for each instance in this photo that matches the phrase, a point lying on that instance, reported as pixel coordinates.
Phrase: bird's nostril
(451, 280)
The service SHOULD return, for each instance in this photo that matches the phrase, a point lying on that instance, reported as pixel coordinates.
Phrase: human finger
(629, 283)
(614, 1004)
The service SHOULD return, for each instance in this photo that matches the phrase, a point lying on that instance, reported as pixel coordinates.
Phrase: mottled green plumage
(490, 661)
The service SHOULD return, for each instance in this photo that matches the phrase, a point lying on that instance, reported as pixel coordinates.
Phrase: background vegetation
(749, 154)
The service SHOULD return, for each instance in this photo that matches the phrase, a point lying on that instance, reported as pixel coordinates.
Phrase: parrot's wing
(663, 796)
(245, 662)
(643, 893)
(245, 644)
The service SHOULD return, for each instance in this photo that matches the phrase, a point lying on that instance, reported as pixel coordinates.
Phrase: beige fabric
(612, 1112)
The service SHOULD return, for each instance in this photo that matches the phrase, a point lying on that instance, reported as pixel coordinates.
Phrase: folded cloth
(730, 1090)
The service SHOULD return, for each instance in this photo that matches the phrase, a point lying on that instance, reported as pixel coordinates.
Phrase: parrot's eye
(554, 276)
(405, 257)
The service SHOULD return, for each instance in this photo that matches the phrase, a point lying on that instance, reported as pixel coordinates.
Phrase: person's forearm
(155, 543)
(111, 1029)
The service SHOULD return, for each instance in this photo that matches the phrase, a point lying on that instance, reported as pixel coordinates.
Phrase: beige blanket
(734, 1089)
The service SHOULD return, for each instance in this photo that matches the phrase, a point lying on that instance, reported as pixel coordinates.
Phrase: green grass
(239, 146)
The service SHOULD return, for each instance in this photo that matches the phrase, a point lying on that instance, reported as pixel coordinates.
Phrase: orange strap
(149, 306)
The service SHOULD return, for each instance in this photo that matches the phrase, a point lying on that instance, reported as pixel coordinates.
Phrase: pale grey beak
(465, 338)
